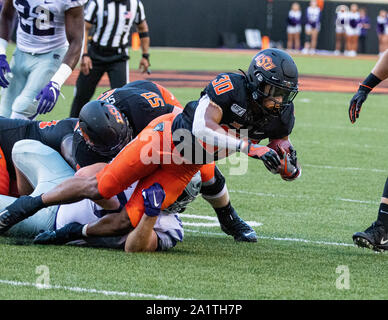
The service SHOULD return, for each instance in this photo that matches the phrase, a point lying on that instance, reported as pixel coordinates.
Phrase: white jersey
(168, 227)
(41, 25)
(313, 15)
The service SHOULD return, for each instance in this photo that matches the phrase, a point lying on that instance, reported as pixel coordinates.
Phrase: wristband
(62, 74)
(369, 83)
(3, 46)
(144, 34)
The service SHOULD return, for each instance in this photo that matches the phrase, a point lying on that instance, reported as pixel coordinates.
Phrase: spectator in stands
(294, 27)
(353, 30)
(312, 27)
(380, 29)
(365, 26)
(340, 23)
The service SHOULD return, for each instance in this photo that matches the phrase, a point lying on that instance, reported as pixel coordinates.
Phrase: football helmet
(272, 76)
(188, 195)
(105, 129)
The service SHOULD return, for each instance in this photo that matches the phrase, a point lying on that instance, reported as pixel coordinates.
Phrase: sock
(224, 213)
(383, 209)
(383, 215)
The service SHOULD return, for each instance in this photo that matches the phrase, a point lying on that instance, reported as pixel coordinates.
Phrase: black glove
(70, 232)
(20, 209)
(356, 102)
(267, 155)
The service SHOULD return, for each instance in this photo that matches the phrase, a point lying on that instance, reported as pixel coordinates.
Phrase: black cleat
(234, 226)
(8, 220)
(374, 238)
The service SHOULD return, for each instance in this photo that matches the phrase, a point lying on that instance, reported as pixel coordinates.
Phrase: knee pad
(211, 190)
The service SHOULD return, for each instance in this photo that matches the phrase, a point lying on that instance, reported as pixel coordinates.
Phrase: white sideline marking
(345, 168)
(209, 224)
(104, 292)
(279, 239)
(260, 194)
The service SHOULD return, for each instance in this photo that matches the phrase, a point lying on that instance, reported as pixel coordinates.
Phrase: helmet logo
(264, 62)
(116, 113)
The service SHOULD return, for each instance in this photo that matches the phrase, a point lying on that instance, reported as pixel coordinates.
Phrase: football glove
(289, 168)
(357, 101)
(48, 97)
(4, 68)
(20, 209)
(153, 199)
(70, 232)
(269, 156)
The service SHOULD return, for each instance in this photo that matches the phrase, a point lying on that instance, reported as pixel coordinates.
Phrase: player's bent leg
(41, 165)
(16, 83)
(42, 68)
(215, 192)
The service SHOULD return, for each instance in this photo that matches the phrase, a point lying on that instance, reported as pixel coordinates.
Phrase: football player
(376, 236)
(48, 47)
(56, 134)
(258, 104)
(44, 167)
(140, 102)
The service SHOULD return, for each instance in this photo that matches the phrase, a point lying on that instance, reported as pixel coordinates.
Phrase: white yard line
(303, 197)
(278, 239)
(95, 291)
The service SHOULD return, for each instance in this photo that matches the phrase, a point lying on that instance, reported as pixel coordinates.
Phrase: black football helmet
(105, 129)
(272, 74)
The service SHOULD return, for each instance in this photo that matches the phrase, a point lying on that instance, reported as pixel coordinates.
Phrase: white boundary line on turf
(279, 239)
(215, 222)
(273, 195)
(85, 290)
(345, 168)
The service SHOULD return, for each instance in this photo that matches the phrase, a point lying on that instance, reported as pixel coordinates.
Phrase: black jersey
(141, 102)
(49, 133)
(229, 91)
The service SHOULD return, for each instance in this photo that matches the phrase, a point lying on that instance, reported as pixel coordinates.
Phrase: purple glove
(153, 199)
(4, 68)
(48, 97)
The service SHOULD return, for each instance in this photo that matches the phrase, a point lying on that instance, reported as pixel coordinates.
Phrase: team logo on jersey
(265, 62)
(240, 111)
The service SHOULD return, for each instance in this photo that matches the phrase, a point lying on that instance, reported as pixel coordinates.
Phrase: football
(276, 143)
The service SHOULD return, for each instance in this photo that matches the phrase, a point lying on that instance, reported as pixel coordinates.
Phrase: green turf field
(305, 226)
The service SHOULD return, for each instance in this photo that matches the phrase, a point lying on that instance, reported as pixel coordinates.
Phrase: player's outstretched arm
(378, 74)
(74, 22)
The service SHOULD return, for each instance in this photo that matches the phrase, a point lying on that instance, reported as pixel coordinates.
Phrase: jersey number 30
(222, 84)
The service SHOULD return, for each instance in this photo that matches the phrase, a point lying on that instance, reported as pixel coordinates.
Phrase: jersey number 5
(153, 99)
(222, 84)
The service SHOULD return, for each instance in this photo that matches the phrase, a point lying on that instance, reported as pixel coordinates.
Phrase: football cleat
(234, 226)
(7, 220)
(374, 238)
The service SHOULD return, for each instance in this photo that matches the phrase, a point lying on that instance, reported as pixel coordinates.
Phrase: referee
(106, 48)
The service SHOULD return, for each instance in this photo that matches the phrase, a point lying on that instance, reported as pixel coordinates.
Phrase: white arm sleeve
(210, 136)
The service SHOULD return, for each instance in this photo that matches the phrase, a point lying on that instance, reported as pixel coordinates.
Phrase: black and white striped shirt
(113, 20)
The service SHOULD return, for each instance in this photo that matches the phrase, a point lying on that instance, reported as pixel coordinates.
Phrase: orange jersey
(149, 158)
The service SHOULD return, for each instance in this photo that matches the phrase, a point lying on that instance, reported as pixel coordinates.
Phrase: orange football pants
(148, 158)
(4, 175)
